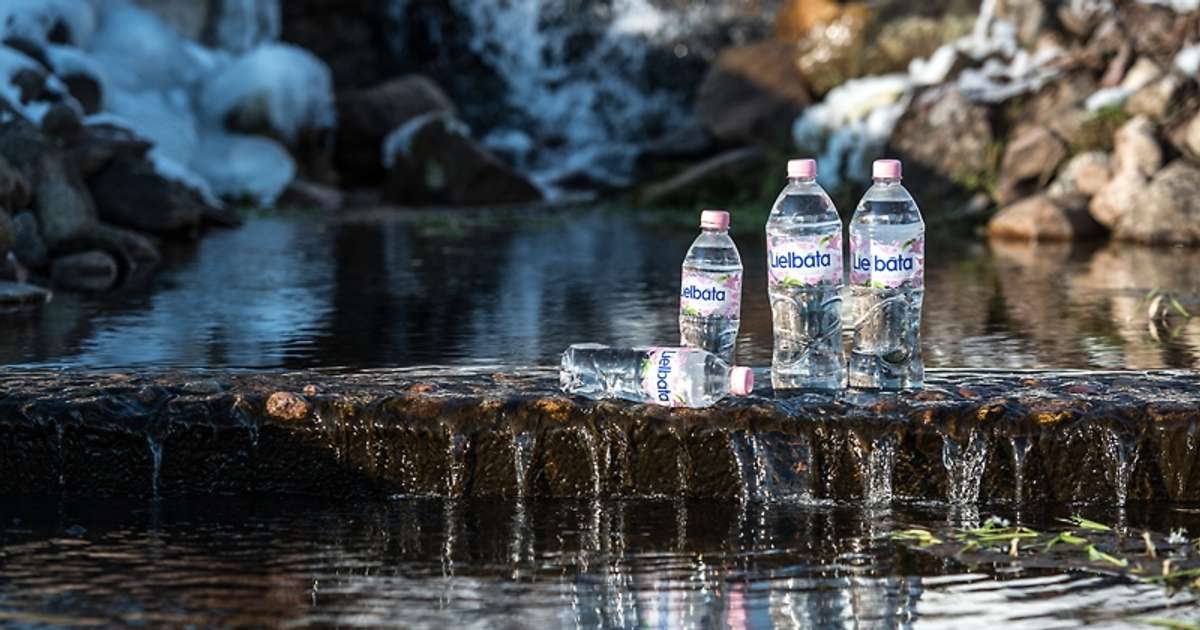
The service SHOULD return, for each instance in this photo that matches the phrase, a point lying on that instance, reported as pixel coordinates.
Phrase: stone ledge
(1085, 436)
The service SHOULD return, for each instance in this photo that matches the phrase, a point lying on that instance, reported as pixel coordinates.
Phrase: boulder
(1041, 218)
(366, 117)
(1033, 153)
(1156, 99)
(85, 89)
(1155, 30)
(1117, 198)
(85, 271)
(435, 162)
(753, 94)
(1167, 211)
(14, 187)
(1085, 174)
(131, 193)
(28, 245)
(946, 143)
(63, 123)
(61, 201)
(100, 144)
(1136, 149)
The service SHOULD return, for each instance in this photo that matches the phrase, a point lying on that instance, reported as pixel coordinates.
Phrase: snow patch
(37, 19)
(399, 140)
(283, 86)
(244, 24)
(1187, 60)
(242, 166)
(851, 124)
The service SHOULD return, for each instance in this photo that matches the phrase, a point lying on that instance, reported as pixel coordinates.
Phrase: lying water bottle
(710, 296)
(671, 377)
(887, 285)
(804, 281)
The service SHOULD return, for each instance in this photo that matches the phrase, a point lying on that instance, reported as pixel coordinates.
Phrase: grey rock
(14, 187)
(130, 193)
(945, 141)
(28, 245)
(86, 90)
(1043, 219)
(101, 144)
(1034, 153)
(85, 271)
(1136, 148)
(1117, 198)
(367, 116)
(64, 208)
(1084, 174)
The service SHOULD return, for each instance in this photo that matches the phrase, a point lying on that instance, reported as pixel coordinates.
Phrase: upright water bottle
(671, 377)
(804, 281)
(710, 296)
(887, 285)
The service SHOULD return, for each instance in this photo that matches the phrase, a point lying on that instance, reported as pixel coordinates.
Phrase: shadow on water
(428, 563)
(380, 289)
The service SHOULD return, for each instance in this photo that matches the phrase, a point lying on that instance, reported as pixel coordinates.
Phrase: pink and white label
(805, 261)
(711, 294)
(661, 377)
(887, 265)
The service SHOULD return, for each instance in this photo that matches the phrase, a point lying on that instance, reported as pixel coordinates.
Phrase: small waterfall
(1121, 450)
(964, 467)
(62, 476)
(1020, 448)
(522, 445)
(156, 461)
(881, 460)
(456, 463)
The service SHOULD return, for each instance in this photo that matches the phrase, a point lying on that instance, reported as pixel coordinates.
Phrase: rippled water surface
(384, 289)
(441, 563)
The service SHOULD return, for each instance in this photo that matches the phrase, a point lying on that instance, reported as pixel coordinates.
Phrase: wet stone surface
(968, 437)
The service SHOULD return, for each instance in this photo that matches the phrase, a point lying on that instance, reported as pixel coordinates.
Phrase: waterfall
(1020, 448)
(881, 459)
(156, 463)
(964, 467)
(456, 460)
(522, 445)
(1121, 450)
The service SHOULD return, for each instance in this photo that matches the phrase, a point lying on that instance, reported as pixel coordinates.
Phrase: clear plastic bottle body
(671, 377)
(804, 282)
(710, 298)
(887, 288)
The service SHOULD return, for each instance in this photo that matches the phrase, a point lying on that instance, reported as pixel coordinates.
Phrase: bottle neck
(713, 230)
(887, 181)
(802, 180)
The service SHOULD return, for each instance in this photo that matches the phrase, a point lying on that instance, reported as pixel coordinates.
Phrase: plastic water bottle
(671, 377)
(887, 285)
(804, 281)
(710, 297)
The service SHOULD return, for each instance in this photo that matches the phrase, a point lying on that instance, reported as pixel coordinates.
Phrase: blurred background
(260, 183)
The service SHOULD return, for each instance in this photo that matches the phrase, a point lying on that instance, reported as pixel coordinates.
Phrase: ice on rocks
(242, 166)
(283, 85)
(852, 123)
(1187, 60)
(37, 19)
(243, 24)
(399, 140)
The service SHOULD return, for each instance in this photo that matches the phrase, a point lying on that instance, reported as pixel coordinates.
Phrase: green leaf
(1095, 555)
(1079, 521)
(1170, 623)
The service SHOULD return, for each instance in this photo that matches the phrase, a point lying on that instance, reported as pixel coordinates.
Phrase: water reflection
(378, 289)
(430, 563)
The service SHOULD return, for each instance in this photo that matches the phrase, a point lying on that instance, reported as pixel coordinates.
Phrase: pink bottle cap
(741, 381)
(714, 219)
(806, 168)
(886, 169)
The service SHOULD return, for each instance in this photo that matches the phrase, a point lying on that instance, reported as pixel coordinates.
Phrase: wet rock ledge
(1099, 437)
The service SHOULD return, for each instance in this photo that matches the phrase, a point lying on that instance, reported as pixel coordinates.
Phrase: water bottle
(887, 285)
(710, 297)
(804, 282)
(671, 377)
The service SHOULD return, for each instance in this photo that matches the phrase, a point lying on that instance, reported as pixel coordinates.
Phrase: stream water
(381, 290)
(375, 289)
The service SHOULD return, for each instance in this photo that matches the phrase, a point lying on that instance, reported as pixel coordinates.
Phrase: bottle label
(887, 264)
(662, 377)
(711, 294)
(805, 261)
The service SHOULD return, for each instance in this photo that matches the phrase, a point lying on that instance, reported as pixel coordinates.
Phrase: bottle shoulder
(803, 202)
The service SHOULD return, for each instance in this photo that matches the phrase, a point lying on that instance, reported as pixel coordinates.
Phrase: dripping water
(881, 460)
(964, 467)
(156, 461)
(1020, 448)
(522, 444)
(456, 460)
(1122, 455)
(62, 458)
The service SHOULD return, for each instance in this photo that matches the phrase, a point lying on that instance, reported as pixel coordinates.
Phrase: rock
(30, 83)
(14, 187)
(1143, 72)
(1043, 219)
(86, 90)
(8, 235)
(85, 271)
(63, 206)
(686, 142)
(796, 18)
(1084, 174)
(1136, 149)
(437, 163)
(287, 406)
(28, 245)
(134, 249)
(132, 193)
(14, 295)
(1167, 211)
(1154, 30)
(1156, 99)
(1080, 18)
(1117, 198)
(711, 178)
(753, 94)
(305, 194)
(1188, 140)
(30, 48)
(1033, 153)
(945, 141)
(101, 144)
(1030, 17)
(366, 117)
(63, 122)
